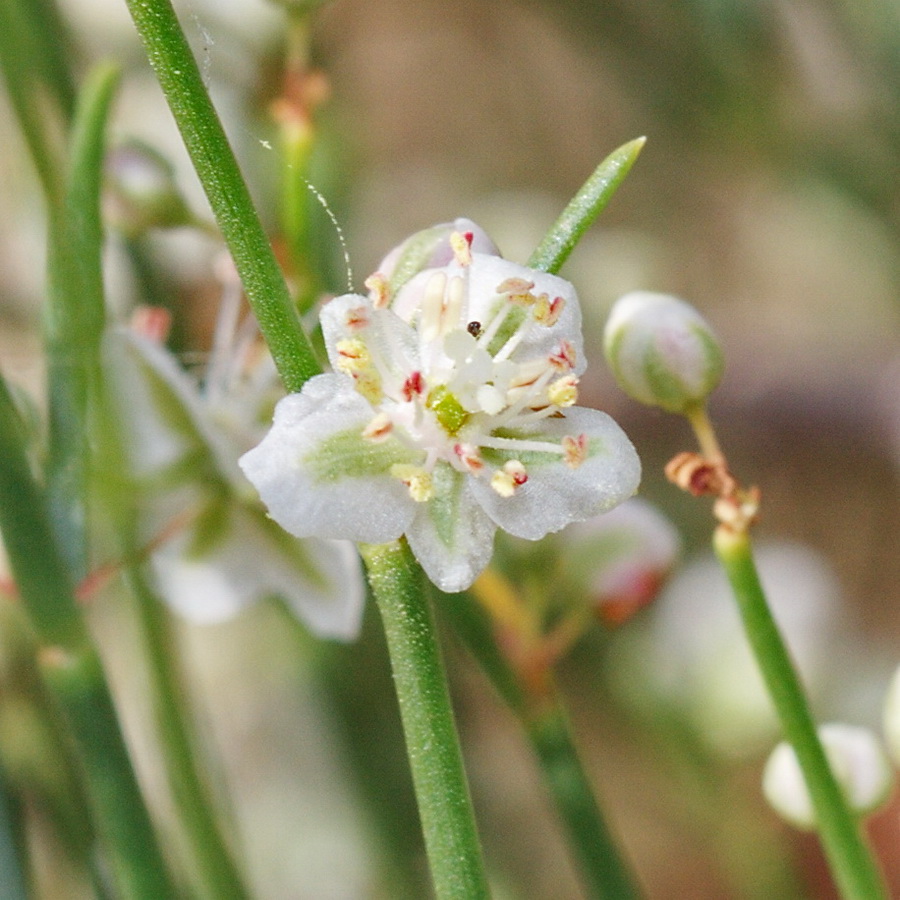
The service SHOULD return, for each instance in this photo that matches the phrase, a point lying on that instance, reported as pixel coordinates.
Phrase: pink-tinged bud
(433, 248)
(623, 558)
(857, 760)
(662, 352)
(141, 192)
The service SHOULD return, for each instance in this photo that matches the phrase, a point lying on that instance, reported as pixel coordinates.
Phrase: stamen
(514, 286)
(564, 358)
(153, 322)
(416, 479)
(469, 456)
(414, 386)
(461, 244)
(379, 290)
(353, 356)
(456, 298)
(379, 429)
(574, 450)
(547, 311)
(505, 481)
(433, 307)
(357, 318)
(564, 391)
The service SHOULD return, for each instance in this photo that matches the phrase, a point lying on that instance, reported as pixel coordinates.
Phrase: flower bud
(661, 351)
(620, 560)
(892, 718)
(857, 760)
(141, 191)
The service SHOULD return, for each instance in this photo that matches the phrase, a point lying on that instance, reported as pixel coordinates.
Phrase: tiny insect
(474, 328)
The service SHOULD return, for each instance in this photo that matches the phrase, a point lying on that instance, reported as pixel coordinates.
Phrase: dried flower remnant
(439, 430)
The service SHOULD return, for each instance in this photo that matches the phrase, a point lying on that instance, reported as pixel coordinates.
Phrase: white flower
(857, 760)
(214, 550)
(451, 413)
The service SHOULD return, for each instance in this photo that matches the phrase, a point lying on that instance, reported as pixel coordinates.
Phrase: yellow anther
(416, 479)
(564, 391)
(379, 290)
(547, 311)
(505, 481)
(461, 244)
(353, 356)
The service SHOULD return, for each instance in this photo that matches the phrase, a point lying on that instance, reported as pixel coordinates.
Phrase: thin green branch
(445, 808)
(854, 868)
(604, 872)
(215, 876)
(73, 670)
(584, 208)
(225, 188)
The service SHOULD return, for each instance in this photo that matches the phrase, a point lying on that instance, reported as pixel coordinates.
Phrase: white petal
(320, 580)
(451, 536)
(386, 335)
(318, 476)
(487, 272)
(556, 495)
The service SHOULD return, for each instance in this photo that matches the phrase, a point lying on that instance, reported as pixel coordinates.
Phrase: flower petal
(487, 273)
(385, 333)
(320, 580)
(451, 536)
(317, 475)
(554, 494)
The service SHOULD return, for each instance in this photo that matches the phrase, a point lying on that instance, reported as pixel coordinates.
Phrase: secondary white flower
(451, 413)
(214, 550)
(860, 767)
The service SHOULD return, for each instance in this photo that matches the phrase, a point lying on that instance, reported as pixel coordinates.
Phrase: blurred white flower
(214, 550)
(857, 760)
(692, 657)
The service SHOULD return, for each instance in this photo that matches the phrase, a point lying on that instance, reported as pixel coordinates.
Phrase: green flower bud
(858, 761)
(141, 191)
(662, 352)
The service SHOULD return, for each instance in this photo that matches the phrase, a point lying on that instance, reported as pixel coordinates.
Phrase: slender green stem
(603, 869)
(852, 864)
(448, 823)
(215, 876)
(604, 872)
(12, 848)
(584, 208)
(225, 188)
(73, 671)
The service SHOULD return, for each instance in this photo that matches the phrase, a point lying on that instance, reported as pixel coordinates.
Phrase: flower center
(462, 390)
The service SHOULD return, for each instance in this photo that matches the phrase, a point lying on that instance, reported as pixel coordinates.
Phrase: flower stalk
(445, 808)
(852, 864)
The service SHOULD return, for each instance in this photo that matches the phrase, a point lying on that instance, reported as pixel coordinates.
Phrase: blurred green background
(767, 195)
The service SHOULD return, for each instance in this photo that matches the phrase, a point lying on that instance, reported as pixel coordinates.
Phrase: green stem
(13, 861)
(445, 808)
(546, 725)
(225, 189)
(215, 876)
(602, 868)
(853, 866)
(584, 208)
(73, 671)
